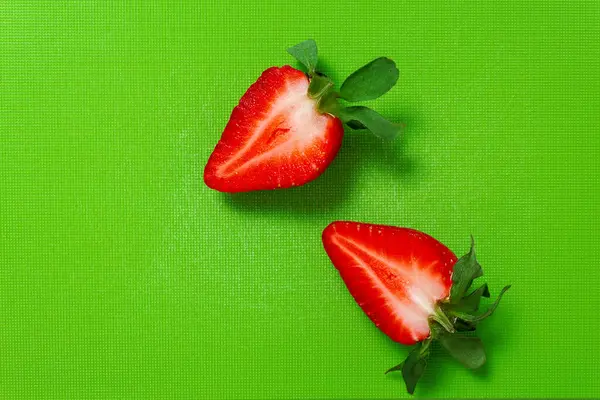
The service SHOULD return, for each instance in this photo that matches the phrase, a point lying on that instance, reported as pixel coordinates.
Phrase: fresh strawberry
(276, 137)
(397, 275)
(287, 127)
(413, 288)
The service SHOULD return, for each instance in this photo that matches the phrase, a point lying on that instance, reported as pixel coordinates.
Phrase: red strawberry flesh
(396, 275)
(275, 138)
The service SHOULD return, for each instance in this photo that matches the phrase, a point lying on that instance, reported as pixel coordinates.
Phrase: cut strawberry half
(396, 275)
(276, 137)
(413, 288)
(287, 127)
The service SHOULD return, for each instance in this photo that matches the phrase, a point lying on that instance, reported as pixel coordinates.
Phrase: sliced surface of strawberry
(413, 288)
(288, 126)
(396, 275)
(276, 137)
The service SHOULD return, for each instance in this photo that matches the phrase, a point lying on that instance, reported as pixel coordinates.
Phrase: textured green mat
(123, 276)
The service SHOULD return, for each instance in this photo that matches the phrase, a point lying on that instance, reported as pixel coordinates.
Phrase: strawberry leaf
(471, 302)
(356, 125)
(395, 368)
(306, 53)
(477, 318)
(371, 81)
(414, 366)
(468, 350)
(463, 326)
(359, 116)
(465, 271)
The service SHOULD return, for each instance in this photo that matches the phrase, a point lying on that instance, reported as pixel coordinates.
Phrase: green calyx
(450, 320)
(367, 83)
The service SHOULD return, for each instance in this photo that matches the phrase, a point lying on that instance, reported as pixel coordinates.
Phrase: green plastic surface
(123, 276)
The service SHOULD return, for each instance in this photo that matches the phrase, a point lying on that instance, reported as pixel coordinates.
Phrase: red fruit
(286, 129)
(275, 138)
(414, 289)
(396, 275)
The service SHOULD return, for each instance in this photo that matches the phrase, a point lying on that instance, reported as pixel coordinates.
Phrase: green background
(123, 276)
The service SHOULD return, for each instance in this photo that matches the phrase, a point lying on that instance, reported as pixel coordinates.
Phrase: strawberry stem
(440, 317)
(425, 346)
(319, 86)
(321, 90)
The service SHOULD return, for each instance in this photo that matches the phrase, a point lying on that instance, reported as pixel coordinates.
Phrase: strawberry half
(413, 288)
(288, 126)
(276, 137)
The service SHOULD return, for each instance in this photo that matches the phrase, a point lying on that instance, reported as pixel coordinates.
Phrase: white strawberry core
(423, 291)
(305, 121)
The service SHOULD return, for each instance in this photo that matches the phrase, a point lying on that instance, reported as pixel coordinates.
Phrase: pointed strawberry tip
(213, 181)
(216, 185)
(210, 178)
